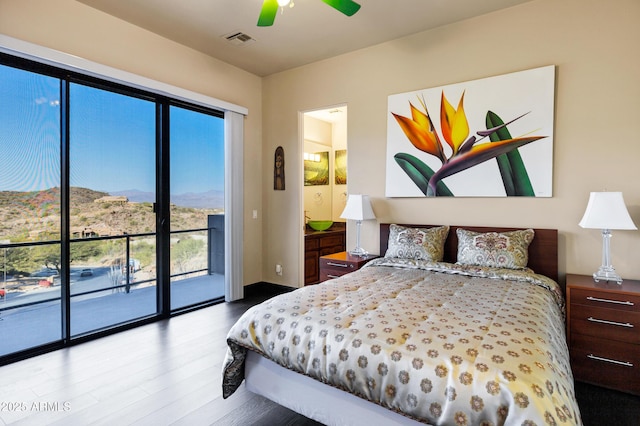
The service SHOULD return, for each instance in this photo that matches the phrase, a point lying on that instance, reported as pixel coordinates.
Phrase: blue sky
(112, 146)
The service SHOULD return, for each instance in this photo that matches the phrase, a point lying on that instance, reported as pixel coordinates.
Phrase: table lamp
(358, 208)
(606, 211)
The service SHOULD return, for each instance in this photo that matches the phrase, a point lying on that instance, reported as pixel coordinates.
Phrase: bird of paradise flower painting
(497, 141)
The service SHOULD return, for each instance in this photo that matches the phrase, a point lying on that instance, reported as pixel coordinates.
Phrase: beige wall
(76, 29)
(594, 46)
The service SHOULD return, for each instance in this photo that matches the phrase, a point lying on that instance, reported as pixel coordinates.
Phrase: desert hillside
(33, 216)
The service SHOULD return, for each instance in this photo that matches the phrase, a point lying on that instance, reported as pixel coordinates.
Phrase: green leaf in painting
(420, 173)
(512, 168)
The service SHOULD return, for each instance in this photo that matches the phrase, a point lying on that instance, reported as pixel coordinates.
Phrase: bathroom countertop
(337, 227)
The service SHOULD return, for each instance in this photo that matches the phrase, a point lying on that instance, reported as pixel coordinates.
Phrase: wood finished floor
(166, 373)
(169, 373)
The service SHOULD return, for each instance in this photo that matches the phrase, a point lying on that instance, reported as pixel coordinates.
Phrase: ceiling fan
(270, 9)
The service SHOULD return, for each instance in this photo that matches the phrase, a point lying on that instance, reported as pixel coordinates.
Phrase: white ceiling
(331, 115)
(308, 32)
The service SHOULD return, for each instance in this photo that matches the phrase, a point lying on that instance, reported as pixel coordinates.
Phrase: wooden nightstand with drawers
(603, 331)
(338, 264)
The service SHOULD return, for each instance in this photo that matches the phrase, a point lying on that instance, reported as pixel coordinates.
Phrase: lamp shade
(606, 210)
(358, 208)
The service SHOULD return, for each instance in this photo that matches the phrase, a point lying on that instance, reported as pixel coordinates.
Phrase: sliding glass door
(111, 207)
(30, 308)
(197, 207)
(112, 154)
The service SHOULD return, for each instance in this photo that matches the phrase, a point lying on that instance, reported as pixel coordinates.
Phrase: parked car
(87, 272)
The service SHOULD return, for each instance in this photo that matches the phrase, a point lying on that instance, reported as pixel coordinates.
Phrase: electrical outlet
(278, 269)
(255, 214)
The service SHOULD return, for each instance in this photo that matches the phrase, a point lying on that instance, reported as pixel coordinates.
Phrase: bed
(452, 325)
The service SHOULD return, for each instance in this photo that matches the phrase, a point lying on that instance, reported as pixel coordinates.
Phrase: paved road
(98, 280)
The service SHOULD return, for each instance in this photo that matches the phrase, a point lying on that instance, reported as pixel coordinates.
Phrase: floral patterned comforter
(441, 343)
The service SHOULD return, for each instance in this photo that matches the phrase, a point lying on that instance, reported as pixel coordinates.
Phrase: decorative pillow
(417, 243)
(501, 250)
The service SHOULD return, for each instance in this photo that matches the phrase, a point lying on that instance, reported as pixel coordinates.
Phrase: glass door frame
(162, 204)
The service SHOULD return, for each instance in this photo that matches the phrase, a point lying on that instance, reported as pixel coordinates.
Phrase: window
(90, 168)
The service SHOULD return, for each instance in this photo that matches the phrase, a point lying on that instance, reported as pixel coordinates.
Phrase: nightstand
(338, 264)
(603, 331)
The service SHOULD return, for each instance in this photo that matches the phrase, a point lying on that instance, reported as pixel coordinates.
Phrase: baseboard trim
(263, 287)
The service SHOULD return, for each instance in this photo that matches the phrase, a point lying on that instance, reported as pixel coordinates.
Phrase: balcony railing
(115, 285)
(111, 270)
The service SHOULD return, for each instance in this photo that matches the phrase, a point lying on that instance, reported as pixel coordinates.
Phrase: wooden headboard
(543, 250)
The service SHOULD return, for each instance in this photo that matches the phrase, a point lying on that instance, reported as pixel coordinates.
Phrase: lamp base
(606, 271)
(607, 274)
(358, 251)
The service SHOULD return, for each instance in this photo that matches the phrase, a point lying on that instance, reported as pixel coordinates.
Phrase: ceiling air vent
(239, 38)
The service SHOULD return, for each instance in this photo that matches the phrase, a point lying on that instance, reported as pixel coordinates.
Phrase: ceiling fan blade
(268, 13)
(348, 7)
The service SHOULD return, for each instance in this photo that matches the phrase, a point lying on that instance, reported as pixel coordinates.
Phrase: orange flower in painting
(420, 132)
(454, 124)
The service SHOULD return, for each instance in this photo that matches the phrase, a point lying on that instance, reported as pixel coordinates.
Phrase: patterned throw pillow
(501, 250)
(417, 243)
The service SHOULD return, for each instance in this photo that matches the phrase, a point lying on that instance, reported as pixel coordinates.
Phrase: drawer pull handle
(620, 324)
(613, 361)
(619, 302)
(333, 276)
(342, 265)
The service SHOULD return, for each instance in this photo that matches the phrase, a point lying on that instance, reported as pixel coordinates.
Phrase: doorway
(324, 168)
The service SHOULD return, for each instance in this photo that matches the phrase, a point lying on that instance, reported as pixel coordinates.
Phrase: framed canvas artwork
(316, 169)
(491, 137)
(340, 167)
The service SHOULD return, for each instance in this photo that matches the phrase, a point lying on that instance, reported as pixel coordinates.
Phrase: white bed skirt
(313, 399)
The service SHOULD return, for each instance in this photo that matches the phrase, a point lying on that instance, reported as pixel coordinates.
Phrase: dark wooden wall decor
(278, 170)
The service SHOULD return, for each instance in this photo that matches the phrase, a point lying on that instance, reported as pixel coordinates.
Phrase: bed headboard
(543, 250)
